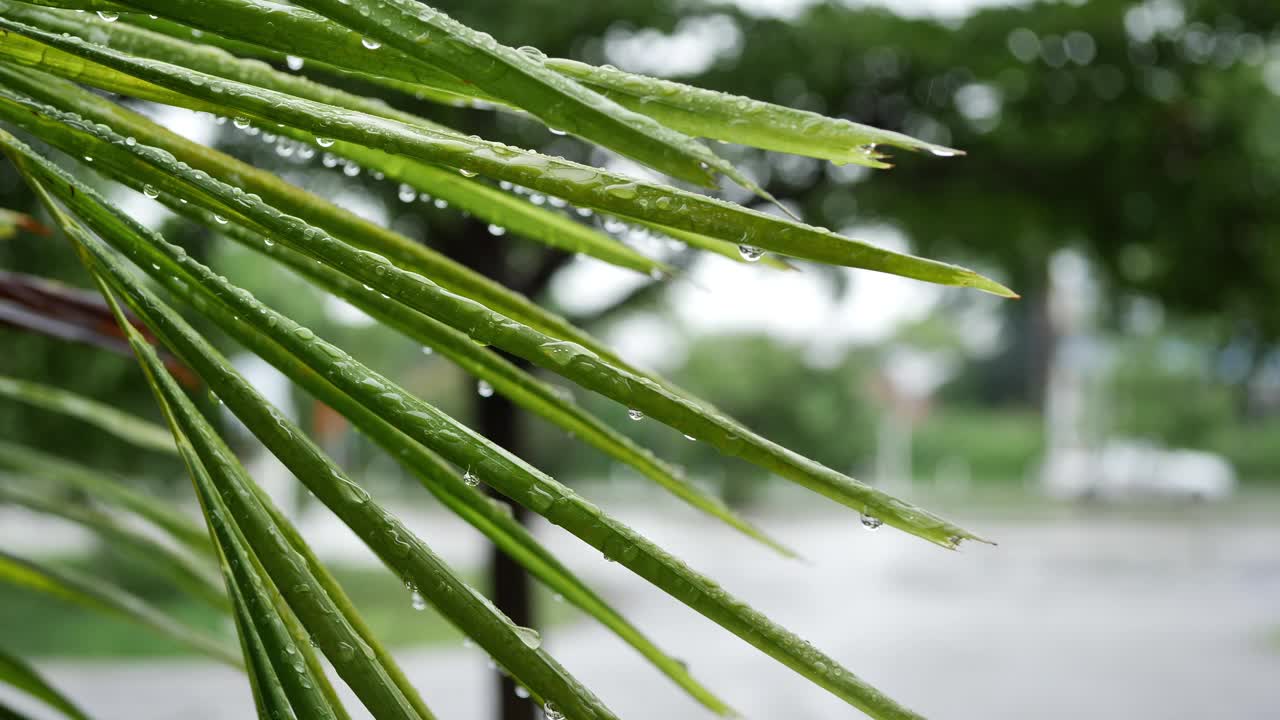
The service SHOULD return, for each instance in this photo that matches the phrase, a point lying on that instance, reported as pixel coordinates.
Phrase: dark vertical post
(498, 419)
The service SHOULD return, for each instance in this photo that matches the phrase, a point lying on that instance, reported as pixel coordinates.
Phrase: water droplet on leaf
(529, 637)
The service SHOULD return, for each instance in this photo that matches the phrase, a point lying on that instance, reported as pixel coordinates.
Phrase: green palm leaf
(104, 487)
(504, 472)
(480, 323)
(100, 596)
(498, 208)
(579, 184)
(132, 429)
(483, 513)
(18, 674)
(179, 567)
(391, 541)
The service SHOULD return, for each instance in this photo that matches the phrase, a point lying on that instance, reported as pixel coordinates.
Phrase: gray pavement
(1089, 615)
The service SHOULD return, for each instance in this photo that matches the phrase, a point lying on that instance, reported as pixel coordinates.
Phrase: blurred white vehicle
(1126, 469)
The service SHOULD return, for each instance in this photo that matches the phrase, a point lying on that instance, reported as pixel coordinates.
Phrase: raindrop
(750, 253)
(131, 141)
(350, 169)
(150, 191)
(869, 149)
(294, 62)
(470, 479)
(329, 160)
(497, 230)
(219, 219)
(532, 53)
(529, 637)
(406, 193)
(440, 203)
(552, 712)
(557, 131)
(484, 389)
(370, 43)
(426, 350)
(943, 152)
(108, 16)
(467, 173)
(417, 601)
(690, 438)
(241, 123)
(871, 523)
(324, 142)
(522, 692)
(635, 414)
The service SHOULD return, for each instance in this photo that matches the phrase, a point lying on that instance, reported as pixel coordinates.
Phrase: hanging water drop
(406, 193)
(425, 349)
(497, 230)
(324, 142)
(750, 253)
(131, 141)
(294, 62)
(240, 122)
(470, 478)
(219, 219)
(150, 191)
(467, 173)
(871, 522)
(552, 712)
(416, 601)
(690, 438)
(350, 169)
(522, 692)
(108, 16)
(484, 389)
(370, 43)
(635, 414)
(529, 637)
(868, 149)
